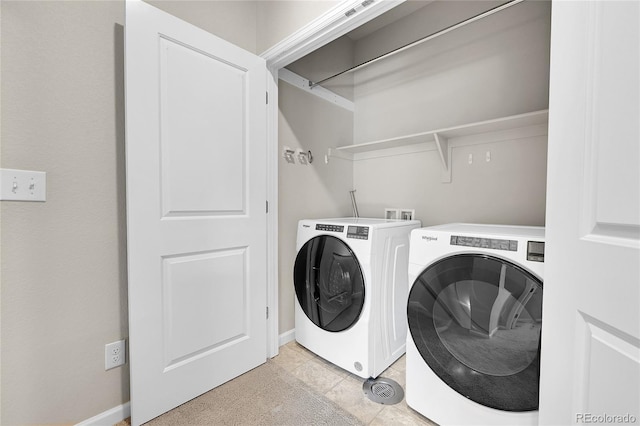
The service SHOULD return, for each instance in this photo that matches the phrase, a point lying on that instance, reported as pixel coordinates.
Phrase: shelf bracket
(303, 84)
(332, 152)
(444, 149)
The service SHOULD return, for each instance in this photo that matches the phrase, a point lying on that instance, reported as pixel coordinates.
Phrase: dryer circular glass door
(329, 283)
(476, 321)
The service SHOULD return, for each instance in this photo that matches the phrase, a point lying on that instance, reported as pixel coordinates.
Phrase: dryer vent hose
(353, 203)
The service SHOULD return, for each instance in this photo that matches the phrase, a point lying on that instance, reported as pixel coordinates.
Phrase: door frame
(327, 27)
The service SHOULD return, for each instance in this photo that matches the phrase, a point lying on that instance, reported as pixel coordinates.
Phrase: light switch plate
(22, 185)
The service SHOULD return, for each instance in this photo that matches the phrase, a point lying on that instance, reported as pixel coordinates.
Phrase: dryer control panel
(358, 232)
(329, 228)
(491, 243)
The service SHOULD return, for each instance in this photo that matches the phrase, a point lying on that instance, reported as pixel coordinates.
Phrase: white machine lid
(482, 229)
(363, 221)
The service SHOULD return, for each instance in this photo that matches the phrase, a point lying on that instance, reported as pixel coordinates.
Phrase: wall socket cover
(114, 354)
(399, 214)
(407, 214)
(391, 214)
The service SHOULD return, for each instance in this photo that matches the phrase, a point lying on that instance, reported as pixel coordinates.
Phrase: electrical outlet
(114, 355)
(407, 214)
(392, 214)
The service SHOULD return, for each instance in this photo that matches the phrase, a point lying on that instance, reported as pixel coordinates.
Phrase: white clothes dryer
(351, 286)
(474, 316)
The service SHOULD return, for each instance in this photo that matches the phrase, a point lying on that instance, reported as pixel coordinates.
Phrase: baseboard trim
(121, 412)
(286, 337)
(109, 417)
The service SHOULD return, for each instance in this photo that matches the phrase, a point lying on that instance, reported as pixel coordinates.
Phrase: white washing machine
(475, 315)
(351, 286)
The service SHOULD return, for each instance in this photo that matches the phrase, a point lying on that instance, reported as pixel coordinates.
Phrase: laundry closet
(454, 128)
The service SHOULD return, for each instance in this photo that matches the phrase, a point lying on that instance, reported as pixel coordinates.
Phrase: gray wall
(63, 265)
(496, 67)
(317, 190)
(277, 19)
(307, 191)
(508, 190)
(326, 61)
(63, 261)
(231, 20)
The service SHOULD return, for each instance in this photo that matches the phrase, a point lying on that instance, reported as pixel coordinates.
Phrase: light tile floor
(345, 389)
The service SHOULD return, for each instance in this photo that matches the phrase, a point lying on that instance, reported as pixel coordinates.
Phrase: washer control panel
(490, 243)
(329, 228)
(358, 232)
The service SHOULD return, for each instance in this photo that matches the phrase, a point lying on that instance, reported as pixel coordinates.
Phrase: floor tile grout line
(385, 410)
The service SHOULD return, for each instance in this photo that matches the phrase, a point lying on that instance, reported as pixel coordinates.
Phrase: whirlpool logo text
(428, 238)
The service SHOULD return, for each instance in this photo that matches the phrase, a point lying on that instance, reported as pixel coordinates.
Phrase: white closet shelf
(443, 140)
(440, 136)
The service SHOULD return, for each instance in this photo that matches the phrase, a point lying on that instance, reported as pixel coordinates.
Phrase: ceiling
(398, 12)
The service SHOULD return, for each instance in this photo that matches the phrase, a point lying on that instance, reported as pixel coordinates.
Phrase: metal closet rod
(420, 41)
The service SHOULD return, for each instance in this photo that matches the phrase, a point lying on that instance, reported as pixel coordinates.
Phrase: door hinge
(267, 206)
(267, 312)
(267, 93)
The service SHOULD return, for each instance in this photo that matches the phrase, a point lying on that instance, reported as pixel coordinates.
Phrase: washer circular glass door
(329, 283)
(476, 320)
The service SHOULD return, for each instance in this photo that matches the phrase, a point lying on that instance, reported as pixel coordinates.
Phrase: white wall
(492, 68)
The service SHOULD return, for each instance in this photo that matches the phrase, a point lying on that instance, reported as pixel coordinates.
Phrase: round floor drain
(383, 391)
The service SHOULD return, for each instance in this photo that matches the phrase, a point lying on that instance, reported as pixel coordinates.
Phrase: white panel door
(590, 362)
(196, 220)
